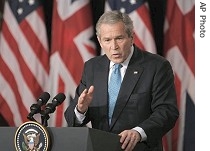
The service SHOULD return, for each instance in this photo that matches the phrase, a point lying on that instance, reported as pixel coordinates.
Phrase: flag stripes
(24, 58)
(72, 31)
(179, 49)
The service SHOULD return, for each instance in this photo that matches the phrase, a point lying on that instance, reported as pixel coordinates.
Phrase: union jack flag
(139, 12)
(179, 47)
(24, 59)
(72, 31)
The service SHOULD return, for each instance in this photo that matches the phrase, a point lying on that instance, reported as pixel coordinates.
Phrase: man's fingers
(85, 98)
(82, 96)
(122, 137)
(91, 89)
(130, 144)
(129, 139)
(125, 143)
(84, 92)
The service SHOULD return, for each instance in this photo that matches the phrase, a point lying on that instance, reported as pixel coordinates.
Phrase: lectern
(68, 139)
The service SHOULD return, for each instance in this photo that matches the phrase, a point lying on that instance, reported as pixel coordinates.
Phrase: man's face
(115, 42)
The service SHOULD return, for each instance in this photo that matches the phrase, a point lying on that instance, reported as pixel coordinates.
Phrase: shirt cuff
(141, 132)
(79, 116)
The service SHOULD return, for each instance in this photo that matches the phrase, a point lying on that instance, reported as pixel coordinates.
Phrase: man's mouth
(116, 55)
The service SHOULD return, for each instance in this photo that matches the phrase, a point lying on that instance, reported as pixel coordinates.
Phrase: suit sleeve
(163, 104)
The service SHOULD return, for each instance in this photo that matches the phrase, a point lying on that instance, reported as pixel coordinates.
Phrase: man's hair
(113, 17)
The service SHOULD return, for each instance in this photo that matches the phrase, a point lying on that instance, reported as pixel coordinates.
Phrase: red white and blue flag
(24, 59)
(72, 31)
(179, 47)
(139, 12)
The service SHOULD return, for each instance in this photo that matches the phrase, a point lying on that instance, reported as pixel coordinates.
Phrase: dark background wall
(157, 8)
(1, 11)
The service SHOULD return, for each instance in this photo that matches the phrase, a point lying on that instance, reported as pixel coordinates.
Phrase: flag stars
(31, 2)
(133, 2)
(122, 10)
(20, 11)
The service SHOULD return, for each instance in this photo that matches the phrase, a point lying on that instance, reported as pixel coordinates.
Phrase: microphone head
(59, 98)
(36, 108)
(44, 97)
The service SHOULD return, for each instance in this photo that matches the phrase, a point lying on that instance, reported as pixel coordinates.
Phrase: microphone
(57, 100)
(36, 108)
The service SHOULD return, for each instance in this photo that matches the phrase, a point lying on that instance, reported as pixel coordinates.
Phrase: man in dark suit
(145, 108)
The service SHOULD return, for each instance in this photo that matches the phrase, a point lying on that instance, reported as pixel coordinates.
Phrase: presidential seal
(32, 136)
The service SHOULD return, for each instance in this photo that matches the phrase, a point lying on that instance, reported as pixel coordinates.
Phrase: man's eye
(120, 39)
(107, 40)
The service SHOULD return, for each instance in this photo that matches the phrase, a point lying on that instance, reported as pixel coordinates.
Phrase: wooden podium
(68, 139)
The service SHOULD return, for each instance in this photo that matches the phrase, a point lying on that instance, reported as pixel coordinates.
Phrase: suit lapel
(131, 77)
(101, 84)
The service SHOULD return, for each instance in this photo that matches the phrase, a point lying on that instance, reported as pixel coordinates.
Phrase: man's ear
(132, 38)
(99, 40)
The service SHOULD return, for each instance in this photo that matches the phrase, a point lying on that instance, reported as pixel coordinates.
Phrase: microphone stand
(31, 118)
(44, 118)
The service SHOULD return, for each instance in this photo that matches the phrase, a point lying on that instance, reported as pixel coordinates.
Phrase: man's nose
(114, 44)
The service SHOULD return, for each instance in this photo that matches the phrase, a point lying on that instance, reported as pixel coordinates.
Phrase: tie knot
(117, 67)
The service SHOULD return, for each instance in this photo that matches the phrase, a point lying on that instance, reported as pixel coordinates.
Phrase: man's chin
(117, 60)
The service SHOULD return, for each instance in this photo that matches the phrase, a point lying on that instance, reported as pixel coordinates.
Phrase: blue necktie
(113, 88)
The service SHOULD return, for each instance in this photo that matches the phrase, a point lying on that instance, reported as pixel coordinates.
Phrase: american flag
(72, 31)
(179, 47)
(24, 59)
(139, 12)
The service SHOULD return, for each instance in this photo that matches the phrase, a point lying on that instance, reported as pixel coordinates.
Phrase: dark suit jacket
(146, 99)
